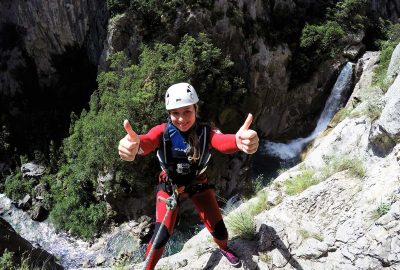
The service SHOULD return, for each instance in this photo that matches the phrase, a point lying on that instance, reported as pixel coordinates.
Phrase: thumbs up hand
(247, 139)
(129, 145)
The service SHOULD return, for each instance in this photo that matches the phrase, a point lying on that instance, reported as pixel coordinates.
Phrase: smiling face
(183, 118)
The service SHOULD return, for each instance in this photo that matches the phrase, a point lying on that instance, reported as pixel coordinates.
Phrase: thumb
(247, 123)
(132, 134)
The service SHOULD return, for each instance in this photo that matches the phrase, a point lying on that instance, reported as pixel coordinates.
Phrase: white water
(293, 148)
(70, 251)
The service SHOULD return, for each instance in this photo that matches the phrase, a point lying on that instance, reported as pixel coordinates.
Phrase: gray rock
(394, 65)
(394, 256)
(25, 203)
(364, 70)
(38, 212)
(390, 117)
(312, 249)
(100, 260)
(380, 140)
(32, 169)
(353, 51)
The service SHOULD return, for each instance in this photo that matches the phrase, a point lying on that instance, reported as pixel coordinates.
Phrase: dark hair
(193, 140)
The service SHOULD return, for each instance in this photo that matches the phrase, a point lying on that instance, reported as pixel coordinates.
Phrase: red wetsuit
(204, 201)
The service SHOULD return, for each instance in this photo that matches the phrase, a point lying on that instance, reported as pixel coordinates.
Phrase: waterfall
(292, 149)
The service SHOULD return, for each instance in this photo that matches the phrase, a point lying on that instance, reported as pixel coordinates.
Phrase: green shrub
(159, 16)
(241, 224)
(322, 39)
(16, 187)
(71, 213)
(381, 210)
(350, 14)
(387, 46)
(6, 260)
(300, 182)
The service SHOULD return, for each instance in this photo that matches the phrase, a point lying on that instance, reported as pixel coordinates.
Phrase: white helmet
(180, 95)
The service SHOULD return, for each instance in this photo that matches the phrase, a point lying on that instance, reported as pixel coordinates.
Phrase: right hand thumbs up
(129, 145)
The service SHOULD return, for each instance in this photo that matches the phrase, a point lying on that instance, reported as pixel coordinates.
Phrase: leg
(207, 207)
(166, 230)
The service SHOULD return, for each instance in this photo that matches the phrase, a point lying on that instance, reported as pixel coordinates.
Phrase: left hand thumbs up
(247, 139)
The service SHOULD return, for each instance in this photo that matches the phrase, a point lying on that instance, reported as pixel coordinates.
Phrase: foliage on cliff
(134, 92)
(387, 46)
(327, 39)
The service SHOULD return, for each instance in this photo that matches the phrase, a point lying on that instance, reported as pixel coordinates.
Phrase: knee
(220, 232)
(162, 237)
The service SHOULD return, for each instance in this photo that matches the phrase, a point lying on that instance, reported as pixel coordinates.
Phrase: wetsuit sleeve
(150, 141)
(224, 143)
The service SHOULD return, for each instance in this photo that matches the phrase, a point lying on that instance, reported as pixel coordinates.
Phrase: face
(183, 118)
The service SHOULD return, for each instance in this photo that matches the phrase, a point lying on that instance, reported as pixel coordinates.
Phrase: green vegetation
(300, 182)
(7, 262)
(387, 46)
(153, 13)
(382, 209)
(354, 166)
(372, 110)
(342, 114)
(323, 38)
(241, 222)
(17, 187)
(326, 40)
(335, 164)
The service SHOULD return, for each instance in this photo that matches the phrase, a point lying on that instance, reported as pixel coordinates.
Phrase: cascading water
(293, 148)
(72, 252)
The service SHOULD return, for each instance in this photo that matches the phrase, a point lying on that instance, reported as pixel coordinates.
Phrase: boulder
(38, 212)
(394, 65)
(385, 133)
(25, 203)
(32, 169)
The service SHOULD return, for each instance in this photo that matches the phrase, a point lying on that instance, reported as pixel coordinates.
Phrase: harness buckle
(183, 168)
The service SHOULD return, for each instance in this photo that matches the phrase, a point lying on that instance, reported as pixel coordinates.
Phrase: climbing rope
(171, 203)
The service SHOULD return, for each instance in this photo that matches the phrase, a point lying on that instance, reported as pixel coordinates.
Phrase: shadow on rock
(269, 240)
(214, 260)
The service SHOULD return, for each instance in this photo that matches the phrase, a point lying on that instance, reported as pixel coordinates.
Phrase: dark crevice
(37, 114)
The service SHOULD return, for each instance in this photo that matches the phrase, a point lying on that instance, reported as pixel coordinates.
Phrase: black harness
(173, 156)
